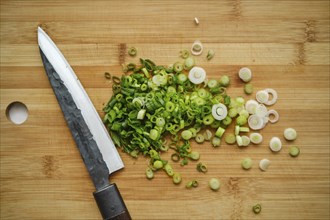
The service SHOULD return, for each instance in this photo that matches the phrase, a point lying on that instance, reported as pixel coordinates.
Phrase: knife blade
(91, 137)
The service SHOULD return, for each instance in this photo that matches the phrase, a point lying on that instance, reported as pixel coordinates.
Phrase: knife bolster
(111, 204)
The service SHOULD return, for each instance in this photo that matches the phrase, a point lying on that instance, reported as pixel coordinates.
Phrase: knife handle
(111, 204)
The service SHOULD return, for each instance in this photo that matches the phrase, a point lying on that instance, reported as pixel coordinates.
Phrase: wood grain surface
(284, 42)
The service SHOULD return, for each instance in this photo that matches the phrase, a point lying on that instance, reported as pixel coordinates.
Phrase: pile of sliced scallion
(157, 108)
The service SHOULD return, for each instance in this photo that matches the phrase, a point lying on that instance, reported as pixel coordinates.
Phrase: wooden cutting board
(286, 45)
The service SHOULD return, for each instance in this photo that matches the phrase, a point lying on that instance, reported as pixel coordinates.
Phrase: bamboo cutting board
(285, 43)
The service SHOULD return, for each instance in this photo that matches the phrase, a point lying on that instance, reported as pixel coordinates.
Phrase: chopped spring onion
(216, 142)
(224, 80)
(244, 113)
(261, 111)
(232, 112)
(274, 96)
(241, 120)
(193, 183)
(186, 134)
(184, 54)
(168, 169)
(219, 111)
(199, 138)
(189, 63)
(227, 120)
(212, 83)
(262, 96)
(248, 88)
(197, 75)
(158, 164)
(230, 139)
(290, 134)
(239, 140)
(175, 157)
(149, 173)
(256, 138)
(196, 20)
(197, 48)
(214, 184)
(256, 208)
(210, 54)
(275, 144)
(264, 164)
(275, 114)
(132, 51)
(245, 74)
(246, 163)
(154, 134)
(201, 167)
(220, 131)
(236, 129)
(107, 75)
(207, 134)
(294, 151)
(194, 155)
(251, 106)
(178, 67)
(176, 178)
(246, 140)
(208, 119)
(141, 114)
(255, 122)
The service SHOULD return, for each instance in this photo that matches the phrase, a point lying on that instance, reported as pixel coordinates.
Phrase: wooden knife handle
(111, 204)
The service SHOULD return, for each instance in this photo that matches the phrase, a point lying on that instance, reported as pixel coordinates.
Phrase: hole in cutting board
(17, 112)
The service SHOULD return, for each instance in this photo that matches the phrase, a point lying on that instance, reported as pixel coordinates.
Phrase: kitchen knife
(92, 139)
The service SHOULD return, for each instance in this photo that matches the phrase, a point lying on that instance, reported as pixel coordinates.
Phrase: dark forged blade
(92, 139)
(88, 148)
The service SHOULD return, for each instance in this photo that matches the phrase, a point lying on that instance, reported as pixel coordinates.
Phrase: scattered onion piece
(261, 110)
(197, 75)
(219, 111)
(255, 122)
(246, 140)
(290, 134)
(275, 144)
(274, 98)
(256, 138)
(262, 96)
(276, 116)
(264, 164)
(245, 74)
(197, 48)
(251, 106)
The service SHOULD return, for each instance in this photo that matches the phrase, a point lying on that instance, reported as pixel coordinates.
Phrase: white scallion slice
(256, 138)
(265, 121)
(197, 48)
(275, 144)
(255, 122)
(246, 140)
(274, 96)
(239, 140)
(275, 114)
(141, 114)
(251, 106)
(264, 164)
(196, 20)
(219, 111)
(197, 75)
(262, 96)
(261, 111)
(290, 134)
(245, 74)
